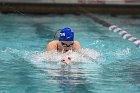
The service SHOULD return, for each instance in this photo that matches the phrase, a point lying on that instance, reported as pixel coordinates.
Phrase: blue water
(117, 70)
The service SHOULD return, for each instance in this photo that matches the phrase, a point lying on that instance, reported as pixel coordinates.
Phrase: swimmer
(65, 43)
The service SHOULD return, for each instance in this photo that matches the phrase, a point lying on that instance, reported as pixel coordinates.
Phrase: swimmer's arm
(77, 45)
(50, 47)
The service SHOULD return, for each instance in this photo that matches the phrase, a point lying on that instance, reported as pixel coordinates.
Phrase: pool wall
(46, 8)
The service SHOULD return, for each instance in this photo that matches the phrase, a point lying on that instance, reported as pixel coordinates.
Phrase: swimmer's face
(67, 44)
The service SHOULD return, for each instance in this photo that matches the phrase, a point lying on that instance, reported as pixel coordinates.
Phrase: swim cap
(66, 34)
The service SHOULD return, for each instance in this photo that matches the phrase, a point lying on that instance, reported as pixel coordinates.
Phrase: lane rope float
(114, 28)
(125, 35)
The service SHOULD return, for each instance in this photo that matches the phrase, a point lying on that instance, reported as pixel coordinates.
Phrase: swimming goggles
(66, 45)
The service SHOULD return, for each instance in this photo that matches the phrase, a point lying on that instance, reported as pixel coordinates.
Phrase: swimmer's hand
(66, 60)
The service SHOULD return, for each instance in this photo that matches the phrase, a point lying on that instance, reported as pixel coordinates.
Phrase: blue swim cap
(66, 34)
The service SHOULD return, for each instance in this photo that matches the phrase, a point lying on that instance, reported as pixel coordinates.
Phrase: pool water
(115, 69)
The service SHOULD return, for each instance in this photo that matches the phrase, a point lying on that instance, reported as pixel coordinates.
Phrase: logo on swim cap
(66, 34)
(62, 34)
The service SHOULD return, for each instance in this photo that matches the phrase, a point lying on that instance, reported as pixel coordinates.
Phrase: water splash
(83, 55)
(124, 53)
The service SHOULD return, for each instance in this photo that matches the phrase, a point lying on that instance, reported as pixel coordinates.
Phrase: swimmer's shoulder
(52, 45)
(76, 42)
(77, 45)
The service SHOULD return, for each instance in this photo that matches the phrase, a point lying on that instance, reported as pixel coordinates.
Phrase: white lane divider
(125, 35)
